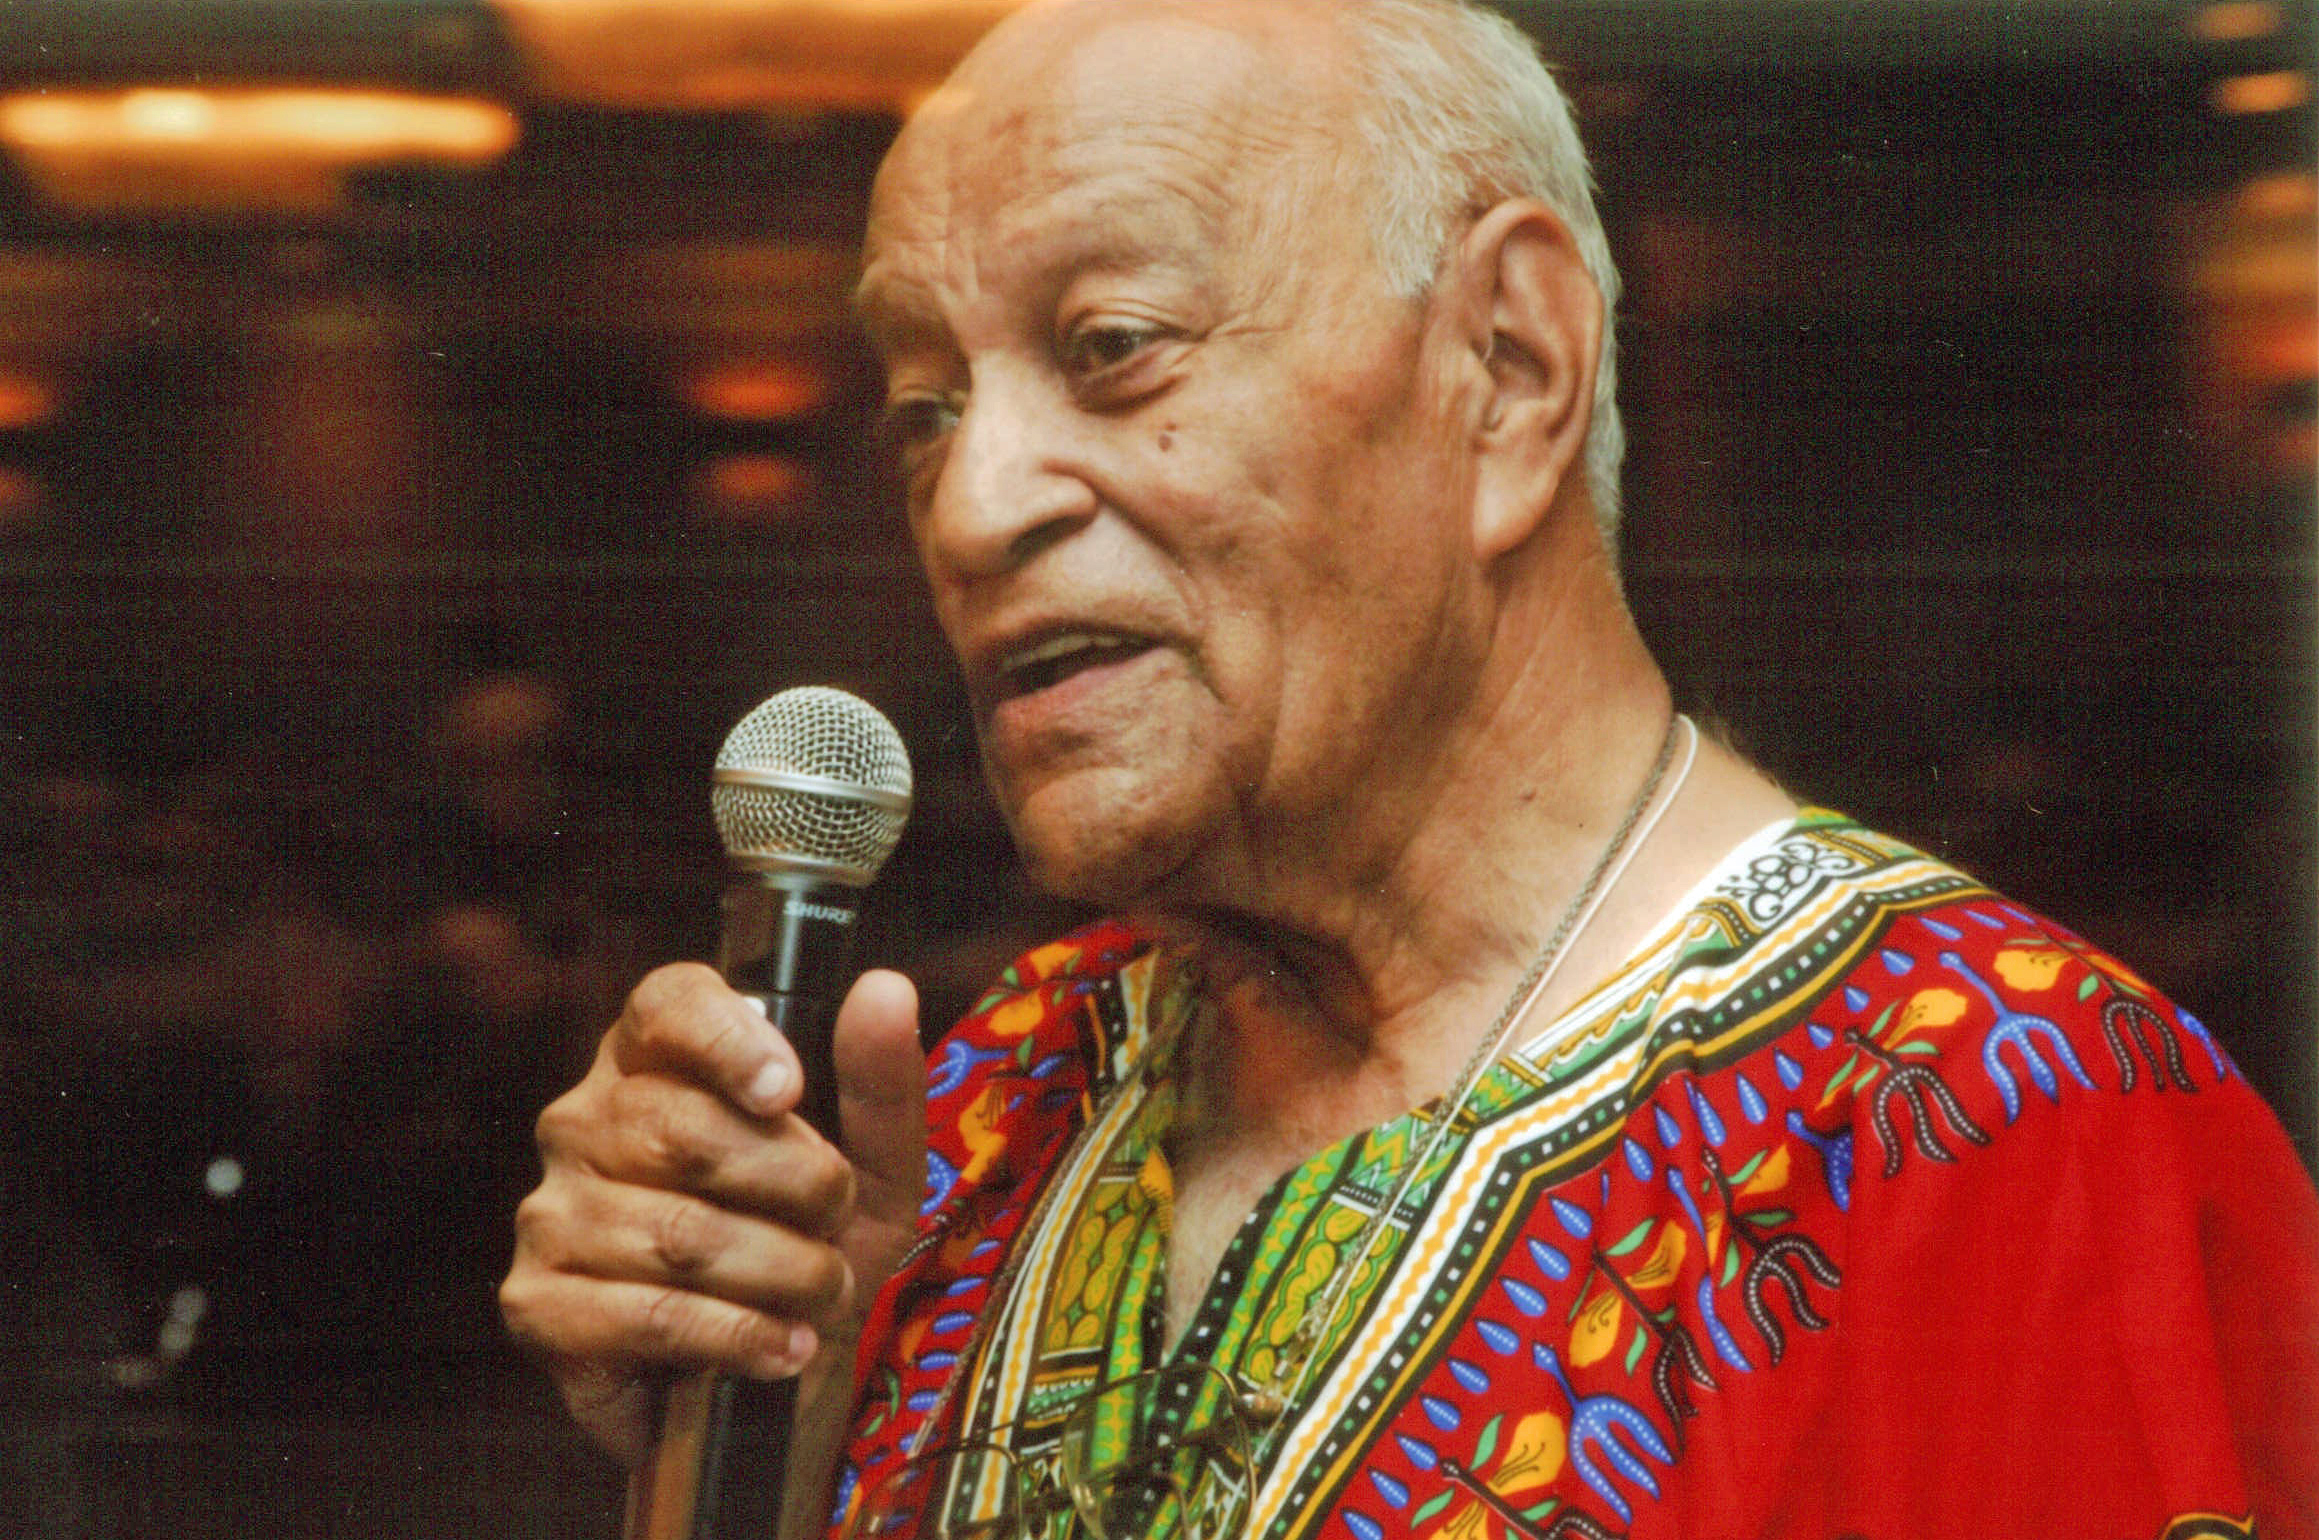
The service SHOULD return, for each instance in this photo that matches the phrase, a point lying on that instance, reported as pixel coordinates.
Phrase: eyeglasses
(1167, 1453)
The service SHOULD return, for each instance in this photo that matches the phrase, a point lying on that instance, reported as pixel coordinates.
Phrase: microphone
(809, 793)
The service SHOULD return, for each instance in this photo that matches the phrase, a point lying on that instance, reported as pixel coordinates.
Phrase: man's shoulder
(1851, 991)
(1884, 956)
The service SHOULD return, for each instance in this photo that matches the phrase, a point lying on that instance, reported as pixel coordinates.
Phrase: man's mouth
(1048, 661)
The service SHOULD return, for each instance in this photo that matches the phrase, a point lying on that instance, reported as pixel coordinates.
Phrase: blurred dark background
(426, 425)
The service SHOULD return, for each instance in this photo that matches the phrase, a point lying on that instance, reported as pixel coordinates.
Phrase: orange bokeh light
(2275, 91)
(774, 390)
(2235, 21)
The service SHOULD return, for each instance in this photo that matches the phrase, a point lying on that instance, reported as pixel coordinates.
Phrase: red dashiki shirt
(1860, 1202)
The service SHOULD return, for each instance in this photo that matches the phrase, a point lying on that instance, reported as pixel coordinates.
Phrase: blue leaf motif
(1442, 1414)
(1821, 1036)
(1550, 1261)
(1395, 1494)
(1497, 1338)
(1986, 921)
(1709, 1122)
(1690, 1205)
(956, 1320)
(1469, 1376)
(1726, 1345)
(937, 1363)
(1896, 963)
(1363, 1526)
(1945, 932)
(941, 1176)
(1670, 1131)
(1526, 1299)
(1751, 1101)
(1419, 1453)
(923, 1400)
(1576, 1220)
(1638, 1160)
(1791, 1073)
(2222, 1065)
(948, 1070)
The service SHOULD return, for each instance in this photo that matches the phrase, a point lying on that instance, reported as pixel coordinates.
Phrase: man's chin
(1108, 850)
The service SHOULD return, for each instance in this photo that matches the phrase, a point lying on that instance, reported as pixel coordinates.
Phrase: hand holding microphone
(688, 1214)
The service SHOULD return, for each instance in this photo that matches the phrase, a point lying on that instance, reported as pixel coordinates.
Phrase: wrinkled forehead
(1167, 117)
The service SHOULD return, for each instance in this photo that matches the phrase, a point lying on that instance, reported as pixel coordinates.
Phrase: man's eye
(912, 423)
(1090, 350)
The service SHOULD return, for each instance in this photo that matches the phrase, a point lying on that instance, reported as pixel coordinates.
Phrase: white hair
(1459, 113)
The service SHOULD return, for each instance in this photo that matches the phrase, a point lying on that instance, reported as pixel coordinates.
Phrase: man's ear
(1534, 318)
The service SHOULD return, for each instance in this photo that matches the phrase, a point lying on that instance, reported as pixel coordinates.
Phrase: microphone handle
(716, 1471)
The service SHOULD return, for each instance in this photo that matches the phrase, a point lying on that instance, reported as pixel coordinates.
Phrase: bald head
(1240, 86)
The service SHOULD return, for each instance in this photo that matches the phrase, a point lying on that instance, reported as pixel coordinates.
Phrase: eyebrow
(888, 312)
(1119, 225)
(898, 310)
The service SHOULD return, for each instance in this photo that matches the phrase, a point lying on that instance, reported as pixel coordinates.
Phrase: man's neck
(1352, 978)
(1273, 1077)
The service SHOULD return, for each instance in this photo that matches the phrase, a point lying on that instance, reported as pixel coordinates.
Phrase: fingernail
(770, 1085)
(779, 1363)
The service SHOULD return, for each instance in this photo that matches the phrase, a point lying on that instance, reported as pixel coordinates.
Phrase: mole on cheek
(1167, 438)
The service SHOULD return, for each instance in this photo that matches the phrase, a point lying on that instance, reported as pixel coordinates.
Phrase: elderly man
(1498, 1109)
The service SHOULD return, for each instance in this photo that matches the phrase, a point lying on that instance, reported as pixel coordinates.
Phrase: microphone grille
(813, 780)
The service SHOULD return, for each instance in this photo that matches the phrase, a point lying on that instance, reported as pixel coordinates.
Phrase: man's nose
(1010, 484)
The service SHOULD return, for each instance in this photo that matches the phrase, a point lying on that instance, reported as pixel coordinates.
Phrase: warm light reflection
(738, 54)
(25, 402)
(770, 391)
(2273, 92)
(348, 125)
(746, 489)
(168, 114)
(2233, 21)
(2283, 196)
(181, 148)
(23, 501)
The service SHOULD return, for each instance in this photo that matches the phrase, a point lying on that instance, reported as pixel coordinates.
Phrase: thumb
(881, 1094)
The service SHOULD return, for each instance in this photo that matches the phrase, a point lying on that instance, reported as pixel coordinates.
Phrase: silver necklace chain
(1298, 1357)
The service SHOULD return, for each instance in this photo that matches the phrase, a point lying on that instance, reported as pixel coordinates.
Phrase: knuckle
(559, 1123)
(519, 1309)
(829, 1283)
(631, 1099)
(684, 1238)
(745, 1336)
(663, 1001)
(663, 1316)
(542, 1232)
(833, 1191)
(662, 1139)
